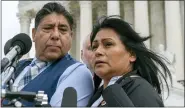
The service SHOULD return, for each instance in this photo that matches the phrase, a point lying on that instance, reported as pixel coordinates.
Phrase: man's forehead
(54, 18)
(88, 42)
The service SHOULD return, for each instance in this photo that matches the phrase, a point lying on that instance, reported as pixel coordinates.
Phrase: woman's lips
(99, 62)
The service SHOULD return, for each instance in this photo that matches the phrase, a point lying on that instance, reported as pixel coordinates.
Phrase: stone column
(85, 21)
(174, 37)
(141, 21)
(78, 40)
(25, 21)
(182, 17)
(157, 24)
(113, 8)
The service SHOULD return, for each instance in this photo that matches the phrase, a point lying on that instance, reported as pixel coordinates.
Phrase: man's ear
(82, 54)
(72, 34)
(33, 34)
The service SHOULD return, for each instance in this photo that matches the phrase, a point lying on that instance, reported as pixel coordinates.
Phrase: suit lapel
(95, 97)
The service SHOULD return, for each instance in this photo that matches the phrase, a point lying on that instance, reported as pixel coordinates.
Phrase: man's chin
(53, 57)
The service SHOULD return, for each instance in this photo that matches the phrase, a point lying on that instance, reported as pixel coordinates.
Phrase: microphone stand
(40, 99)
(15, 98)
(8, 74)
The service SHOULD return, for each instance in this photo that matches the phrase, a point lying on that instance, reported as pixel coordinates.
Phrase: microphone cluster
(17, 46)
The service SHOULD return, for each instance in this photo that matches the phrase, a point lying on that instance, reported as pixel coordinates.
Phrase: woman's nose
(99, 51)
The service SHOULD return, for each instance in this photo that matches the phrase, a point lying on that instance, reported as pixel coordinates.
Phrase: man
(86, 53)
(87, 57)
(53, 37)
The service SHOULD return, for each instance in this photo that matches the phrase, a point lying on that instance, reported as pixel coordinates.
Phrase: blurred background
(163, 20)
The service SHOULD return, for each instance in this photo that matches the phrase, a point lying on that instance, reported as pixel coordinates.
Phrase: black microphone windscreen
(7, 46)
(29, 96)
(23, 41)
(69, 98)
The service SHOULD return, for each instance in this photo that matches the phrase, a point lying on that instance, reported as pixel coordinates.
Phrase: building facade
(163, 20)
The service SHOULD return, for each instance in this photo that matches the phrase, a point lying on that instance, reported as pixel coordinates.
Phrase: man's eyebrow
(63, 25)
(48, 24)
(51, 24)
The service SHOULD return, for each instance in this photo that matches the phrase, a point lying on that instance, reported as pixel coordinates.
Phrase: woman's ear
(33, 34)
(132, 56)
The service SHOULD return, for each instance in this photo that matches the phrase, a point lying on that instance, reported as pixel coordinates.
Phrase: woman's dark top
(131, 90)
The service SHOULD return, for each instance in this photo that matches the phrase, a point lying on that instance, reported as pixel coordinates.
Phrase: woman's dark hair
(53, 7)
(147, 62)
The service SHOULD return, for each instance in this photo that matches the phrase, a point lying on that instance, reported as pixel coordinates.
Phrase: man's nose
(55, 34)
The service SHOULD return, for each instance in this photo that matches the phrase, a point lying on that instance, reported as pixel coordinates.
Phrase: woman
(131, 73)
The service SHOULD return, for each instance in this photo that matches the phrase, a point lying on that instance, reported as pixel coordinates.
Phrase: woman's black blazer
(129, 92)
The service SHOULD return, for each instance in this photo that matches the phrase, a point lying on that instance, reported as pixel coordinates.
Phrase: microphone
(40, 99)
(29, 96)
(20, 45)
(7, 46)
(69, 98)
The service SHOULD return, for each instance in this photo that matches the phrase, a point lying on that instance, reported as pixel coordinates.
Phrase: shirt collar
(47, 63)
(34, 59)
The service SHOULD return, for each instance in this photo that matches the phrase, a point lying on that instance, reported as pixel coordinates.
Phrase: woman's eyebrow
(95, 41)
